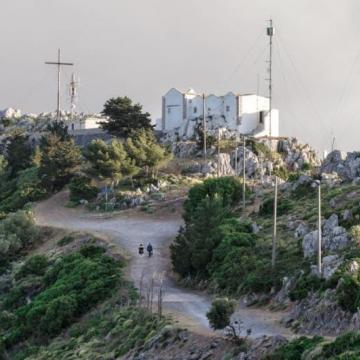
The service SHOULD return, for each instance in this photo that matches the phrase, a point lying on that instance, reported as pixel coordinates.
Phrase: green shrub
(220, 313)
(229, 189)
(349, 342)
(192, 250)
(65, 240)
(71, 286)
(267, 206)
(355, 234)
(304, 285)
(348, 293)
(36, 265)
(60, 313)
(25, 189)
(17, 231)
(81, 189)
(295, 348)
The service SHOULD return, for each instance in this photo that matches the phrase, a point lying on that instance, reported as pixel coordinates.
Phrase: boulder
(301, 230)
(329, 265)
(309, 243)
(334, 238)
(262, 346)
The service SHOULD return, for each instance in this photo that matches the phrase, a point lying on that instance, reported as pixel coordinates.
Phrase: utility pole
(274, 238)
(270, 33)
(58, 63)
(218, 151)
(244, 173)
(204, 127)
(319, 260)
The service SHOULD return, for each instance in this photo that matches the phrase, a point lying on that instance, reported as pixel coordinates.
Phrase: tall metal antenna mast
(270, 32)
(73, 93)
(58, 63)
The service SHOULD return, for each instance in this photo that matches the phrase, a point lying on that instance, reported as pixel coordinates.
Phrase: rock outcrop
(334, 238)
(321, 315)
(345, 165)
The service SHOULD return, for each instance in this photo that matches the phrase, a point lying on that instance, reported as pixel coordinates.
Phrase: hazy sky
(141, 48)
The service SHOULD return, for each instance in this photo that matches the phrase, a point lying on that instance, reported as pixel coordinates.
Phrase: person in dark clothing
(141, 249)
(149, 249)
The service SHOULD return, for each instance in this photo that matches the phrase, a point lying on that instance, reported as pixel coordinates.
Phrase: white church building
(246, 114)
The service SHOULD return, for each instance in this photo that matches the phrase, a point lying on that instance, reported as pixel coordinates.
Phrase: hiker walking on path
(149, 249)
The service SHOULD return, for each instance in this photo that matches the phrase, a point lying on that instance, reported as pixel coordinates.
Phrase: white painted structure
(246, 114)
(83, 122)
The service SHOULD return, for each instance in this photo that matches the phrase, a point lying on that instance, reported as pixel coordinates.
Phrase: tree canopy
(147, 153)
(59, 159)
(18, 152)
(124, 117)
(109, 161)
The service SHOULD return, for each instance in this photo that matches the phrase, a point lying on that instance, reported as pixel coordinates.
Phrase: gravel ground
(130, 229)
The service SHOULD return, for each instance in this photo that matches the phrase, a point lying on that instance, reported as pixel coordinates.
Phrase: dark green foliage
(259, 148)
(65, 240)
(26, 188)
(128, 327)
(349, 342)
(59, 160)
(229, 189)
(81, 189)
(36, 265)
(124, 117)
(15, 298)
(267, 206)
(17, 231)
(295, 348)
(109, 161)
(146, 153)
(70, 287)
(18, 153)
(210, 139)
(348, 293)
(304, 285)
(193, 248)
(59, 129)
(220, 313)
(304, 190)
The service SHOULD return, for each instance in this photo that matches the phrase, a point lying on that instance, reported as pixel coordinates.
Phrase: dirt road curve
(130, 229)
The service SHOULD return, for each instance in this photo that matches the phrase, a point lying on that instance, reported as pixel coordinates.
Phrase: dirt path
(131, 228)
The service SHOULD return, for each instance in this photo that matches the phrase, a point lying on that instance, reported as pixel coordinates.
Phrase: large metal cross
(59, 64)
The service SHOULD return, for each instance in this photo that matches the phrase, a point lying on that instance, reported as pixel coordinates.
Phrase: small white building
(246, 114)
(83, 122)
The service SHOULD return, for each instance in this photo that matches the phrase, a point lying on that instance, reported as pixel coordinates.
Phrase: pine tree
(143, 148)
(18, 152)
(124, 117)
(109, 161)
(59, 160)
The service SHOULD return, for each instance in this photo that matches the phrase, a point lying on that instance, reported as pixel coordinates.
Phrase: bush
(305, 284)
(220, 313)
(295, 348)
(59, 313)
(73, 285)
(229, 189)
(192, 250)
(65, 240)
(17, 231)
(355, 234)
(267, 207)
(81, 189)
(27, 188)
(36, 265)
(349, 342)
(348, 293)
